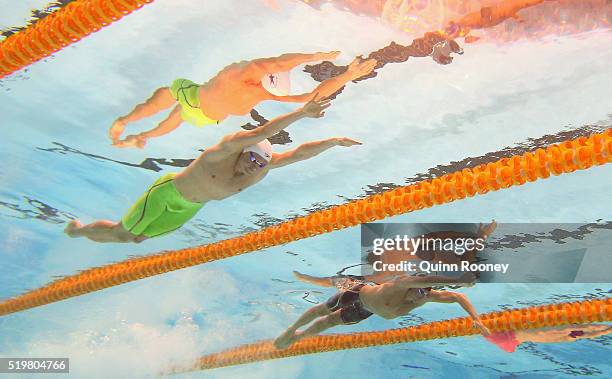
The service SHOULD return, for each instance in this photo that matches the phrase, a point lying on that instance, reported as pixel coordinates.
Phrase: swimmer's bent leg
(160, 100)
(288, 336)
(322, 324)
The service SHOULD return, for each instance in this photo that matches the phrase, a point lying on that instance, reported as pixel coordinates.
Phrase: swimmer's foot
(359, 68)
(72, 228)
(284, 340)
(116, 130)
(131, 141)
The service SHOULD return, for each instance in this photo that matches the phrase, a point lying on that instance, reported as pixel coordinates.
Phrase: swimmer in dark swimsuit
(390, 300)
(567, 333)
(509, 340)
(349, 304)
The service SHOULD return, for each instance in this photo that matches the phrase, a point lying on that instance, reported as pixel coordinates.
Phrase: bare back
(232, 92)
(391, 300)
(209, 179)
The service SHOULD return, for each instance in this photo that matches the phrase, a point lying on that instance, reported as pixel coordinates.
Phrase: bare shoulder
(216, 152)
(232, 67)
(222, 150)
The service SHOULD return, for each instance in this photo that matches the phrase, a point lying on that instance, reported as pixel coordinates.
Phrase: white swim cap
(278, 83)
(263, 149)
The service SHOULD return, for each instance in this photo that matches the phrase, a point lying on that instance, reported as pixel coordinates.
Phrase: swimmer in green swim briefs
(235, 90)
(238, 161)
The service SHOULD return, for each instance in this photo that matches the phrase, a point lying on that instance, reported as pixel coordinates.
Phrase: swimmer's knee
(123, 235)
(163, 97)
(322, 310)
(163, 91)
(126, 237)
(140, 238)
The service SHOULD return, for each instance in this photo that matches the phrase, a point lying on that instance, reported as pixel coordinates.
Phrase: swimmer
(235, 90)
(511, 339)
(390, 300)
(393, 257)
(238, 161)
(488, 17)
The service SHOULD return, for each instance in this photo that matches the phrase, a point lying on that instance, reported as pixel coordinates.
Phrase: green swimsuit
(187, 93)
(160, 210)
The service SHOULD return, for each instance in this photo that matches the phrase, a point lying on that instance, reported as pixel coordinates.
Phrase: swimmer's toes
(280, 344)
(284, 340)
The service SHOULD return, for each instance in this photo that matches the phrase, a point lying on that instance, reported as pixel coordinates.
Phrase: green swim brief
(160, 210)
(187, 93)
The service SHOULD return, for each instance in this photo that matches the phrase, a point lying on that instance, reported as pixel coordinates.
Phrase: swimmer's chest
(397, 301)
(222, 181)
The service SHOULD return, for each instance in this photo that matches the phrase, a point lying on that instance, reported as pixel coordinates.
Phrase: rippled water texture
(417, 119)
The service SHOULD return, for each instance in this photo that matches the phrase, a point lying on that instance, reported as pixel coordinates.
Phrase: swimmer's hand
(483, 329)
(132, 141)
(299, 275)
(359, 68)
(485, 231)
(346, 142)
(316, 107)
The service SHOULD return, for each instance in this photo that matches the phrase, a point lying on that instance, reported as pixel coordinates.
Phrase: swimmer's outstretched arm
(285, 62)
(597, 330)
(356, 70)
(563, 333)
(309, 150)
(328, 281)
(238, 141)
(461, 299)
(323, 281)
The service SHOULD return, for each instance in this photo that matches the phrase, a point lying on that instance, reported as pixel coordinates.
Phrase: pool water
(58, 164)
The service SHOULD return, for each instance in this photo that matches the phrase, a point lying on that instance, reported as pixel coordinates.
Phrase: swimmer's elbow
(457, 297)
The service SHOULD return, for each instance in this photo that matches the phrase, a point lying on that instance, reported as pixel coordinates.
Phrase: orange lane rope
(566, 157)
(61, 28)
(580, 312)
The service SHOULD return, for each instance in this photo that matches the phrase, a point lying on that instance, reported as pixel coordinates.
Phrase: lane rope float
(59, 29)
(579, 312)
(566, 157)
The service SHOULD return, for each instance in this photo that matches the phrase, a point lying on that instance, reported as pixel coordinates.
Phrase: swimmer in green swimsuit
(238, 161)
(235, 90)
